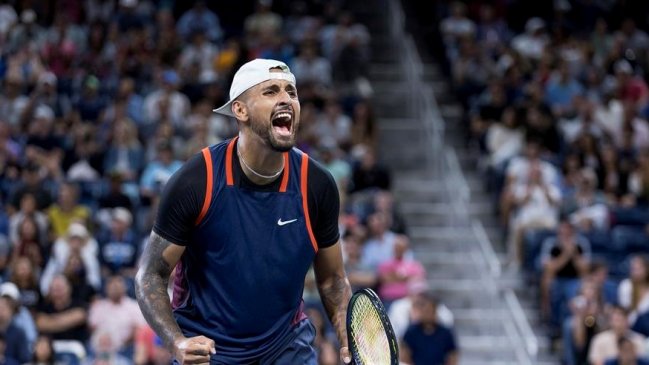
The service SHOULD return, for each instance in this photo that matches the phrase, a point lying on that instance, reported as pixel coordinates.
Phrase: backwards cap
(251, 74)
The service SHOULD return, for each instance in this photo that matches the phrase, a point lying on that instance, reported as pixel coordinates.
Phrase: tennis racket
(370, 336)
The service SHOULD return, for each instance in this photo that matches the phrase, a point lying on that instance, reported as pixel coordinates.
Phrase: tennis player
(241, 223)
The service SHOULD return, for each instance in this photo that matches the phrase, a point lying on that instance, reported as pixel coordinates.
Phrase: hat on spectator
(43, 112)
(251, 74)
(534, 24)
(10, 290)
(123, 215)
(28, 16)
(47, 78)
(78, 230)
(623, 66)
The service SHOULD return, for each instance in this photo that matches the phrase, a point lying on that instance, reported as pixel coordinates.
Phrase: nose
(284, 98)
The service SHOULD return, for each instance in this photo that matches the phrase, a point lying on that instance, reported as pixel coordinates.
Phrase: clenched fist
(194, 350)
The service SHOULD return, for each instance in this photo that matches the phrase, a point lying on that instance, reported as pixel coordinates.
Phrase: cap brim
(226, 109)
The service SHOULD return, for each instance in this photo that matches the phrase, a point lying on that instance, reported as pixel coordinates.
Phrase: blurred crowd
(557, 102)
(101, 103)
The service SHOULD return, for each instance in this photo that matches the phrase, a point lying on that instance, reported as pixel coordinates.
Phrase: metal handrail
(515, 308)
(487, 249)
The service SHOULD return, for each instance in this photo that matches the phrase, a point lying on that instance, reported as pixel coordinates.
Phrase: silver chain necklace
(255, 172)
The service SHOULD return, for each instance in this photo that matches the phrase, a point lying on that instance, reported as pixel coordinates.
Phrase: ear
(240, 110)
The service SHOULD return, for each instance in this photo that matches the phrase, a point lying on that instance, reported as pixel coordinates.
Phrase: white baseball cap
(251, 74)
(9, 289)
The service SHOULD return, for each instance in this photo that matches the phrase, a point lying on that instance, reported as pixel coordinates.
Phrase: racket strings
(368, 334)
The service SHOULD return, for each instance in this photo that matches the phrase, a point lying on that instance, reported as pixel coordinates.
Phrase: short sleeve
(181, 201)
(324, 205)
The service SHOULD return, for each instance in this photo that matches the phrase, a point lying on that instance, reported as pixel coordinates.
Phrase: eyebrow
(276, 87)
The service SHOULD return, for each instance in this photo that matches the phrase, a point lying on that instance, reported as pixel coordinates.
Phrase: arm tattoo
(151, 284)
(335, 293)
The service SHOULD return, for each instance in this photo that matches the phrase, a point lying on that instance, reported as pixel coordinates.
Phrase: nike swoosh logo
(280, 222)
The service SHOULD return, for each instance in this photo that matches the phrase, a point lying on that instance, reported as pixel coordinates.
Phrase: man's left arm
(335, 291)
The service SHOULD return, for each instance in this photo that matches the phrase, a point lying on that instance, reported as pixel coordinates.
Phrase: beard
(265, 132)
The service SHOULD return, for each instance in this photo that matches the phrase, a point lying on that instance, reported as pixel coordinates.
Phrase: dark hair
(429, 297)
(597, 265)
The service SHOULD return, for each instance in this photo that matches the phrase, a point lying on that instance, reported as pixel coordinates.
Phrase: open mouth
(282, 122)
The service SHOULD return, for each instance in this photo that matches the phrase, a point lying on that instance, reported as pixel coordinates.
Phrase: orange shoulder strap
(304, 169)
(207, 156)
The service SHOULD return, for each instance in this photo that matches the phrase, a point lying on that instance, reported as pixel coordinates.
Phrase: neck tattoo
(255, 172)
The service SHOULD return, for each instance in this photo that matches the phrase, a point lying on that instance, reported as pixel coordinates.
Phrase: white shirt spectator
(503, 143)
(178, 106)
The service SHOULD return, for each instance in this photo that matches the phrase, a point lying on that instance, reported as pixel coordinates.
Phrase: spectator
(23, 317)
(12, 102)
(43, 351)
(67, 210)
(157, 172)
(633, 292)
(25, 275)
(379, 247)
(166, 103)
(395, 274)
(30, 242)
(384, 203)
(368, 173)
(28, 211)
(587, 318)
(564, 260)
(262, 22)
(15, 339)
(74, 254)
(586, 207)
(364, 131)
(31, 182)
(330, 157)
(125, 155)
(359, 275)
(537, 206)
(114, 197)
(639, 180)
(61, 317)
(200, 52)
(456, 26)
(310, 68)
(105, 353)
(604, 345)
(403, 312)
(428, 342)
(561, 91)
(627, 354)
(532, 43)
(333, 124)
(633, 89)
(118, 245)
(504, 139)
(200, 18)
(117, 315)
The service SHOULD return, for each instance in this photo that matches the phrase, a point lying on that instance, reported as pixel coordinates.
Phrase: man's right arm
(151, 282)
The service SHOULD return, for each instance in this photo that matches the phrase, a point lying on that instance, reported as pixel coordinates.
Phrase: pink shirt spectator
(395, 275)
(118, 315)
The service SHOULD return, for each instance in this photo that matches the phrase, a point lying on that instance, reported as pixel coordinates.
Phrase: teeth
(283, 116)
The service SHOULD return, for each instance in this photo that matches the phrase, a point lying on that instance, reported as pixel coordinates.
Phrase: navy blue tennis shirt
(248, 248)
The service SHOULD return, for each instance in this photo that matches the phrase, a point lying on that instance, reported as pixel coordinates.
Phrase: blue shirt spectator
(118, 245)
(561, 90)
(428, 342)
(200, 18)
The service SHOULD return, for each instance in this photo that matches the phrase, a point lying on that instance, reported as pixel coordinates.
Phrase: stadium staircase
(442, 197)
